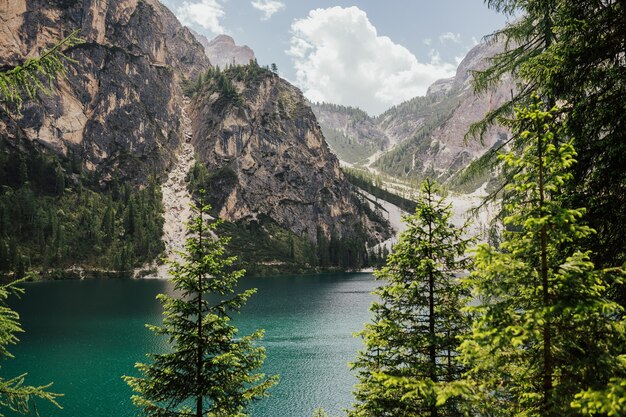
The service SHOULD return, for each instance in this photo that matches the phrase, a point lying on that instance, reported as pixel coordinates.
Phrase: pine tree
(35, 75)
(210, 370)
(414, 335)
(15, 84)
(543, 328)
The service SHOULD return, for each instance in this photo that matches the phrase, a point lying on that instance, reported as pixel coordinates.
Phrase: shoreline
(80, 273)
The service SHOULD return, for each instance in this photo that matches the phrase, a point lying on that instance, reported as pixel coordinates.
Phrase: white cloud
(268, 7)
(206, 13)
(450, 37)
(340, 58)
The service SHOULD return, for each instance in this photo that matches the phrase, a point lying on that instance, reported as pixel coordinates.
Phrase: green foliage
(51, 219)
(267, 248)
(417, 106)
(223, 82)
(434, 111)
(36, 75)
(210, 369)
(248, 74)
(573, 53)
(610, 401)
(214, 81)
(411, 345)
(544, 329)
(15, 396)
(354, 113)
(319, 412)
(348, 148)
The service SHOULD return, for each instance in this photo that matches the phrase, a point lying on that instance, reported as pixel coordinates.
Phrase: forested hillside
(351, 133)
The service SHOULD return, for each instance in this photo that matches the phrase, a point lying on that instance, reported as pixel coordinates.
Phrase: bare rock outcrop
(272, 159)
(118, 110)
(430, 131)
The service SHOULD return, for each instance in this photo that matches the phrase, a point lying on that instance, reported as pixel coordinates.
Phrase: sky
(371, 54)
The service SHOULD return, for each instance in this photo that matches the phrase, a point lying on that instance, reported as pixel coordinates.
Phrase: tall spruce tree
(417, 322)
(572, 52)
(544, 329)
(210, 371)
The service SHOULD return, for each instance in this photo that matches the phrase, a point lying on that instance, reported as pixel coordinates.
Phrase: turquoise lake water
(84, 335)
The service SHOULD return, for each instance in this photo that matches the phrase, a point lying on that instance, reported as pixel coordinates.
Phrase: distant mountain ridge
(425, 136)
(350, 132)
(222, 50)
(119, 123)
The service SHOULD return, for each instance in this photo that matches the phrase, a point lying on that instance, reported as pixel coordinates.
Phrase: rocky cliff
(118, 109)
(263, 146)
(434, 126)
(114, 134)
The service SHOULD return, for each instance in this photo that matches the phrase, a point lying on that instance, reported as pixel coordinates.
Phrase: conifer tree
(35, 75)
(572, 52)
(416, 324)
(210, 370)
(16, 83)
(543, 327)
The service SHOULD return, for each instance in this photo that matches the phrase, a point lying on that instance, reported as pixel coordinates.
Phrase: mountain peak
(225, 39)
(223, 51)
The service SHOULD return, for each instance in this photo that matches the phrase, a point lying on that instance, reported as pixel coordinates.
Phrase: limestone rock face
(118, 109)
(424, 136)
(119, 113)
(277, 161)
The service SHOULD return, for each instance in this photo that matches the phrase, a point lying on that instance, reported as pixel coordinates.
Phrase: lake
(84, 335)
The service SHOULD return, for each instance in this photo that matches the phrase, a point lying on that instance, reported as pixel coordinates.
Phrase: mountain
(431, 130)
(223, 51)
(350, 132)
(267, 162)
(86, 172)
(424, 136)
(117, 111)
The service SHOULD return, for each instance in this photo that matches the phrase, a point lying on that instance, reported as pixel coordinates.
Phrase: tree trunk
(200, 352)
(431, 311)
(547, 331)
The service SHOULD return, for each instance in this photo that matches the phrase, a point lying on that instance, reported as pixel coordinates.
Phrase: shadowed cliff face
(118, 109)
(279, 165)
